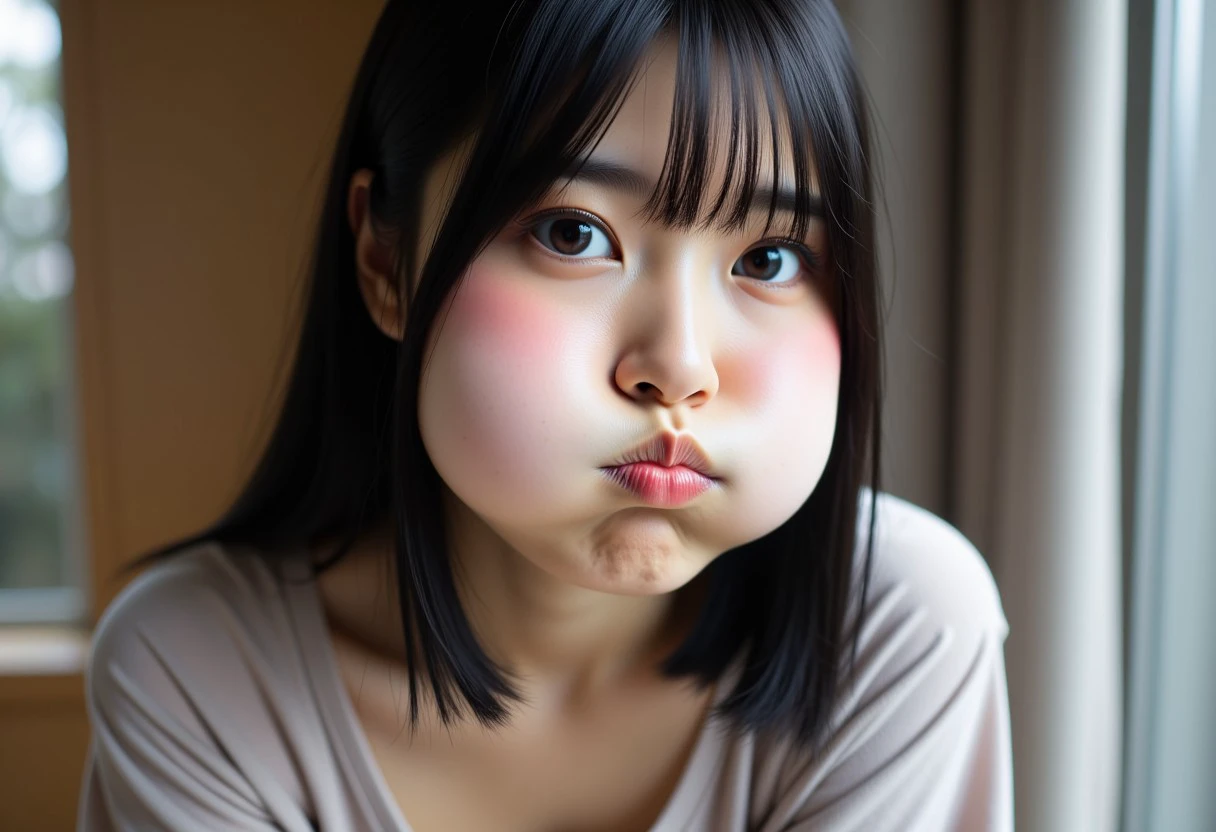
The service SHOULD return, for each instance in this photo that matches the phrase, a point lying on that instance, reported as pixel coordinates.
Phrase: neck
(563, 643)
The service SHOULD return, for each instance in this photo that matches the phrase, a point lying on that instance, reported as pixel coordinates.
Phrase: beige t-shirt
(216, 704)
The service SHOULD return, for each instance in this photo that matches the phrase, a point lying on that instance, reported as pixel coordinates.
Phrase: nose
(669, 358)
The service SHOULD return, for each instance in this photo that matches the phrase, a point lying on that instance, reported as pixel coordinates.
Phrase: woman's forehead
(637, 139)
(640, 134)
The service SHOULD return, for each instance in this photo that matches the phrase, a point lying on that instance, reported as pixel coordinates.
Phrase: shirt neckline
(343, 725)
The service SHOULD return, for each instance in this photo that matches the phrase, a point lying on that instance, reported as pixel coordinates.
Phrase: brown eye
(771, 264)
(573, 236)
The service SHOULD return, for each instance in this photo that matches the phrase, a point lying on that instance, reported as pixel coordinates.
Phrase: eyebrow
(634, 183)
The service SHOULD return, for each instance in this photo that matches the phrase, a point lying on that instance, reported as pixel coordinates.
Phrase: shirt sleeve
(156, 761)
(921, 737)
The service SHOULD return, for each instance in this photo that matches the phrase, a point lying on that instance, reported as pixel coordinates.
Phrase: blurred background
(1049, 245)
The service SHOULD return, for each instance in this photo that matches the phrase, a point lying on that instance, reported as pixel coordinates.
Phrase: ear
(374, 258)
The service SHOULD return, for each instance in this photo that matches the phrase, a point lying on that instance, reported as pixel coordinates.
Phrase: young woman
(564, 524)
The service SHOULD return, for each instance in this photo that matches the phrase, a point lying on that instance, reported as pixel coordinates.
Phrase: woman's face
(582, 332)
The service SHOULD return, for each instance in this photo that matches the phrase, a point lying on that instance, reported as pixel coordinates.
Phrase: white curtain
(1001, 135)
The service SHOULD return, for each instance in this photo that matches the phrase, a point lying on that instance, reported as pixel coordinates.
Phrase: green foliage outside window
(36, 468)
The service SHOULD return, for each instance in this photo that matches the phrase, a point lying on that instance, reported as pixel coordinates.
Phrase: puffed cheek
(819, 348)
(771, 372)
(787, 393)
(493, 388)
(492, 312)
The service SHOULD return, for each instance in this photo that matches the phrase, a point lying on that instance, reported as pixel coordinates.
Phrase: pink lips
(659, 486)
(667, 471)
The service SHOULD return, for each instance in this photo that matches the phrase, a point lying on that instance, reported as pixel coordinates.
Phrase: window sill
(43, 651)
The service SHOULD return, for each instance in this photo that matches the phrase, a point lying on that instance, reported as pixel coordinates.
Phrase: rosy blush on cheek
(769, 371)
(820, 347)
(494, 392)
(784, 390)
(490, 310)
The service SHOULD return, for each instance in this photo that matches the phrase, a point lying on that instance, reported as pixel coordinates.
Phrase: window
(1171, 746)
(38, 491)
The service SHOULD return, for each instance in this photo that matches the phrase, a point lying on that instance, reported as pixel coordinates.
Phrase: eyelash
(811, 260)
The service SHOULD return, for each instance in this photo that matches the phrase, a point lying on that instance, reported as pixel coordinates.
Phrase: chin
(622, 569)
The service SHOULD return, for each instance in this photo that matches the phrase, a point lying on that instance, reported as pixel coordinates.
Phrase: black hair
(347, 452)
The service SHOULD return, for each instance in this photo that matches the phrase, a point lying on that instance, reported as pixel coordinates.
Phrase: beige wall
(198, 139)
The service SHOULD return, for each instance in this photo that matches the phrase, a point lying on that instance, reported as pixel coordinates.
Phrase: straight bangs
(540, 127)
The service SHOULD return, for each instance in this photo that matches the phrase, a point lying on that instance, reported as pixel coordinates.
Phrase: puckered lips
(666, 471)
